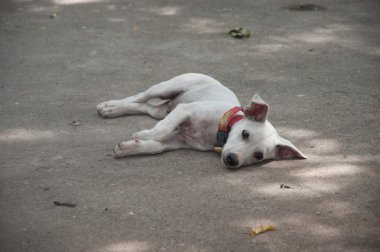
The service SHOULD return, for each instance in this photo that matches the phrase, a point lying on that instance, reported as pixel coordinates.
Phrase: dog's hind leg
(128, 108)
(164, 128)
(138, 104)
(136, 147)
(167, 90)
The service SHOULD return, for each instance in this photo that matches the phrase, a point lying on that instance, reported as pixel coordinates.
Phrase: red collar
(229, 119)
(225, 124)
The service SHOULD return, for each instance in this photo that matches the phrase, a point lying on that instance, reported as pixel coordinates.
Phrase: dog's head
(254, 139)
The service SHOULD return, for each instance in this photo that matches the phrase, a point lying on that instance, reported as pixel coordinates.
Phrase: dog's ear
(257, 110)
(286, 150)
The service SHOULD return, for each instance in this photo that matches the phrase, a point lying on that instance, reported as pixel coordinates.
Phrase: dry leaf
(261, 229)
(218, 149)
(240, 33)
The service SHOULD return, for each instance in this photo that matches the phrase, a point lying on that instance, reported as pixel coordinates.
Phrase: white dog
(199, 112)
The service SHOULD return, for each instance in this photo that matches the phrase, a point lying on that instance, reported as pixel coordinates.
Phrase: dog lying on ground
(198, 112)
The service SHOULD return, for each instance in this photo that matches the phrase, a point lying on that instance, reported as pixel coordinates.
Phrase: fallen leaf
(283, 186)
(240, 33)
(261, 229)
(218, 150)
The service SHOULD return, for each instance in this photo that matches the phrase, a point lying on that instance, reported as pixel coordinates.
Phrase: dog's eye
(258, 155)
(245, 134)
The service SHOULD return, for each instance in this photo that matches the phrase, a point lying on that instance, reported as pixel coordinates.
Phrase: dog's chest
(199, 133)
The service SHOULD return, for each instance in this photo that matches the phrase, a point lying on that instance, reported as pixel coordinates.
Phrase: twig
(57, 203)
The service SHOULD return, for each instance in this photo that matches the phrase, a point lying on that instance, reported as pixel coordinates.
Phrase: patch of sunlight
(373, 50)
(319, 186)
(116, 20)
(325, 146)
(323, 230)
(313, 38)
(40, 9)
(269, 48)
(69, 2)
(308, 188)
(56, 158)
(330, 171)
(263, 76)
(311, 226)
(339, 158)
(332, 28)
(278, 39)
(339, 209)
(16, 135)
(297, 133)
(321, 35)
(204, 25)
(235, 181)
(132, 246)
(165, 11)
(111, 7)
(361, 158)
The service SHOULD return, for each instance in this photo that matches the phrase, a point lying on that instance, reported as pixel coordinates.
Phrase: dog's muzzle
(231, 160)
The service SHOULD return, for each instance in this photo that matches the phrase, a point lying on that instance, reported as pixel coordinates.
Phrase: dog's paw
(126, 148)
(109, 108)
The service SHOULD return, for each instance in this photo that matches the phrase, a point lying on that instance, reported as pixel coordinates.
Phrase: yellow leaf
(218, 150)
(261, 229)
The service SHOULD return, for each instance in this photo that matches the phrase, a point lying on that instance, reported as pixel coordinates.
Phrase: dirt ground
(318, 69)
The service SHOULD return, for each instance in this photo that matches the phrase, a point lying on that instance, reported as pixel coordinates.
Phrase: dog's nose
(231, 160)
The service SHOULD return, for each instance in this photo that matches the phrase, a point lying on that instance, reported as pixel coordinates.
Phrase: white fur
(191, 109)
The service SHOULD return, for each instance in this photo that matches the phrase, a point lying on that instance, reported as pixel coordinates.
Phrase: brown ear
(286, 150)
(257, 110)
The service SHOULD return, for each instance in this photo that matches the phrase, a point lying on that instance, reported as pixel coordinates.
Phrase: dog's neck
(228, 119)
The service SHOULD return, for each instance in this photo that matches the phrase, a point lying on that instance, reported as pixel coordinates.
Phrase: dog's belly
(199, 134)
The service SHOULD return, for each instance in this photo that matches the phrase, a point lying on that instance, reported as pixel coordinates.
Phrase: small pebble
(44, 187)
(75, 123)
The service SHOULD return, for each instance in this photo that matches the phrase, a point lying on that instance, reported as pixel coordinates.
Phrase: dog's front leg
(167, 126)
(136, 147)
